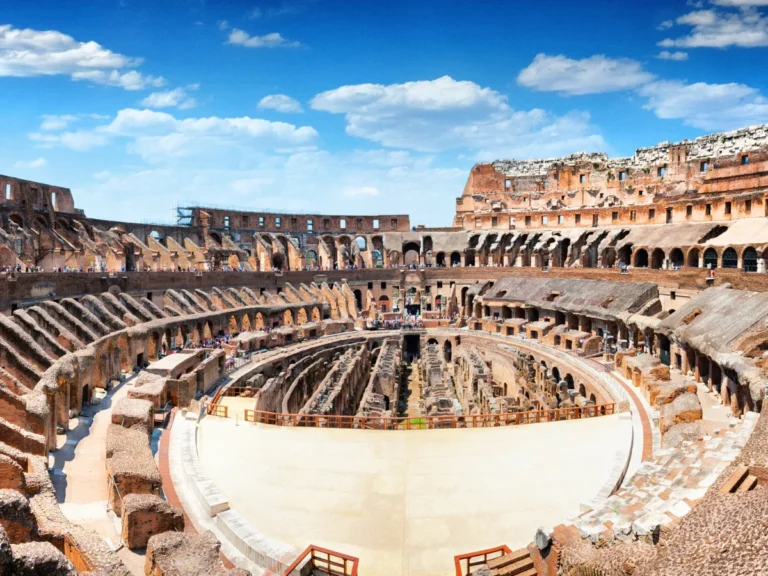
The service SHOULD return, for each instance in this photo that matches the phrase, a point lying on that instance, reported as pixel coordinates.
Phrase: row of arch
(695, 258)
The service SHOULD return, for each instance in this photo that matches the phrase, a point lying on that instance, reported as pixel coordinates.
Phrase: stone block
(40, 558)
(186, 553)
(11, 474)
(145, 515)
(16, 517)
(130, 412)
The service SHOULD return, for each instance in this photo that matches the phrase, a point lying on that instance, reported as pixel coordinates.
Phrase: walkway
(414, 391)
(79, 476)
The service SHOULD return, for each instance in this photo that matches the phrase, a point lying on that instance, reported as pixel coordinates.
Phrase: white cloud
(176, 98)
(57, 121)
(746, 28)
(360, 192)
(255, 14)
(223, 25)
(36, 163)
(593, 75)
(740, 3)
(48, 53)
(272, 40)
(676, 56)
(280, 103)
(158, 136)
(442, 114)
(667, 24)
(711, 107)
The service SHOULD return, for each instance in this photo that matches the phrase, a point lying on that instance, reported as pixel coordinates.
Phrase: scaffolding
(185, 212)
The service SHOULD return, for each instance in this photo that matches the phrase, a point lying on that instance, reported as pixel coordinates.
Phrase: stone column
(761, 265)
(701, 260)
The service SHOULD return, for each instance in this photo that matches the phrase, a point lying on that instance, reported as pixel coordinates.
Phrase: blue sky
(365, 107)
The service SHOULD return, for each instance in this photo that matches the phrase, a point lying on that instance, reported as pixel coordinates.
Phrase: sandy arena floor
(406, 502)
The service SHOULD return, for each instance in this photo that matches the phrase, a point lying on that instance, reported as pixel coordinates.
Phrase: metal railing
(324, 561)
(465, 563)
(429, 422)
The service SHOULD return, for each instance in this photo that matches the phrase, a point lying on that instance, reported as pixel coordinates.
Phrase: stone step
(508, 559)
(748, 484)
(518, 563)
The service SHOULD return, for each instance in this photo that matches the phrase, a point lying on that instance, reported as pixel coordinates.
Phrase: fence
(429, 422)
(324, 561)
(466, 562)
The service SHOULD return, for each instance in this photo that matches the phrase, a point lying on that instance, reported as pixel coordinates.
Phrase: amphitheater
(567, 380)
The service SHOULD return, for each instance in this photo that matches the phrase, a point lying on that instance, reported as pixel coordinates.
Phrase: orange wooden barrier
(324, 561)
(475, 559)
(429, 422)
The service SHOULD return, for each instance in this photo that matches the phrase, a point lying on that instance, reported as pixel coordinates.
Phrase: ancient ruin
(367, 379)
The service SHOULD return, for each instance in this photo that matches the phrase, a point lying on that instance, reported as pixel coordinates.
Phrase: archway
(469, 258)
(710, 258)
(641, 258)
(749, 259)
(731, 259)
(440, 259)
(316, 314)
(278, 262)
(377, 258)
(447, 350)
(411, 253)
(676, 258)
(301, 316)
(455, 259)
(311, 258)
(693, 258)
(362, 245)
(657, 259)
(384, 303)
(359, 299)
(258, 322)
(288, 318)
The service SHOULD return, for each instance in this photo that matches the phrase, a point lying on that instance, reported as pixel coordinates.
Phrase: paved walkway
(414, 391)
(79, 476)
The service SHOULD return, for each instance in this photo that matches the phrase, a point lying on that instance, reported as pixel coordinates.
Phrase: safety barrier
(324, 561)
(429, 422)
(466, 562)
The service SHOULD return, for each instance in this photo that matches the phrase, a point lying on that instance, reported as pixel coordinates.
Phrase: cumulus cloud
(156, 135)
(710, 107)
(676, 56)
(593, 75)
(26, 52)
(280, 103)
(273, 40)
(442, 114)
(36, 163)
(360, 192)
(176, 98)
(746, 28)
(740, 3)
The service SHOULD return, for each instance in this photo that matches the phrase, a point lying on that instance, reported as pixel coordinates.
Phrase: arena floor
(406, 502)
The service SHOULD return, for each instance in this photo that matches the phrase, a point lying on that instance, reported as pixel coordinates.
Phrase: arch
(609, 258)
(455, 259)
(207, 333)
(316, 314)
(377, 258)
(258, 321)
(730, 258)
(301, 316)
(358, 298)
(411, 253)
(506, 312)
(657, 259)
(749, 259)
(216, 237)
(469, 258)
(246, 323)
(556, 374)
(569, 382)
(710, 258)
(440, 259)
(448, 350)
(693, 258)
(233, 327)
(362, 243)
(676, 258)
(288, 318)
(641, 258)
(625, 255)
(278, 261)
(582, 390)
(384, 303)
(311, 257)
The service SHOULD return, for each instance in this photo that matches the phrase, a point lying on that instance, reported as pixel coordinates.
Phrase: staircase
(517, 563)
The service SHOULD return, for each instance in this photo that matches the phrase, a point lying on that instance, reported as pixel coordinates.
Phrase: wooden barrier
(217, 410)
(465, 563)
(429, 422)
(324, 561)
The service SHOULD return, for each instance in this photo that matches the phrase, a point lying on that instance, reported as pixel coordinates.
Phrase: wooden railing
(466, 562)
(220, 410)
(324, 561)
(429, 422)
